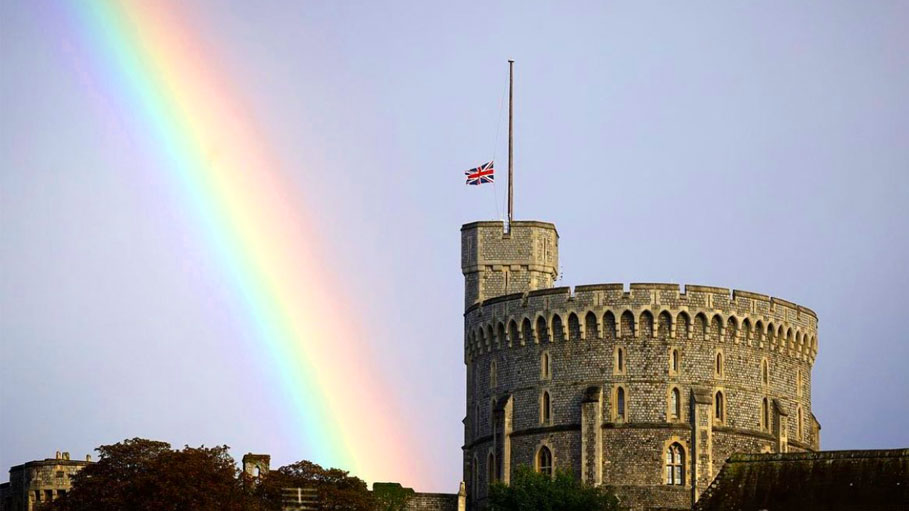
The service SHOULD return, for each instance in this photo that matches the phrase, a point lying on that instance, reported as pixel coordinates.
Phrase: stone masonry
(37, 482)
(646, 389)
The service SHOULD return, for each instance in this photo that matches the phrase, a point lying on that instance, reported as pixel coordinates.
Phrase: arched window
(545, 408)
(719, 364)
(719, 406)
(544, 461)
(675, 403)
(491, 469)
(620, 403)
(675, 465)
(674, 361)
(493, 377)
(545, 366)
(765, 414)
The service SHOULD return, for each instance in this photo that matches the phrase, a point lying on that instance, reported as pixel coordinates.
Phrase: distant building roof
(840, 480)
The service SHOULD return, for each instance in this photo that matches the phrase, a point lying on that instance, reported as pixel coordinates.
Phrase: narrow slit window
(765, 414)
(620, 403)
(719, 406)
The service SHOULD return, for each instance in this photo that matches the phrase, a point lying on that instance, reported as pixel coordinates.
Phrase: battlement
(691, 293)
(737, 316)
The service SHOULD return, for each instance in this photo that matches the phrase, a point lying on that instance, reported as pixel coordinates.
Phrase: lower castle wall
(432, 502)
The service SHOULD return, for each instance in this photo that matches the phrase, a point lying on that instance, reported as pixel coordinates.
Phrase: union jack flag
(482, 174)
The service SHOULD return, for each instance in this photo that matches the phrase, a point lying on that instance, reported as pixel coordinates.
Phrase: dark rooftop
(840, 480)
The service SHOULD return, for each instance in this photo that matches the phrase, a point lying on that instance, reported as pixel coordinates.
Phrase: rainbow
(183, 108)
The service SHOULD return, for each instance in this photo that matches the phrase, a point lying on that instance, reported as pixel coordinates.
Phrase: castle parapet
(731, 315)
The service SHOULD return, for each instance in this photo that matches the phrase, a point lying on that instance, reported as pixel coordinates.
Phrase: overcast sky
(761, 146)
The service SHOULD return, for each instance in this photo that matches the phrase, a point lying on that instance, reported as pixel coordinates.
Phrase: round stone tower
(647, 390)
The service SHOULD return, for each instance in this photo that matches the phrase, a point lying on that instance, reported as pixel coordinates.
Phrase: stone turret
(496, 263)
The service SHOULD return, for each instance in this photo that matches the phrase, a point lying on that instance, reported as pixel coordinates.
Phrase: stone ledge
(820, 455)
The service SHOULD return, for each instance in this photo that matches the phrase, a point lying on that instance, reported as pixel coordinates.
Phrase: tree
(337, 489)
(540, 492)
(146, 475)
(391, 496)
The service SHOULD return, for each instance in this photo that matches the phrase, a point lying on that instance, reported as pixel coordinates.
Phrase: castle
(38, 482)
(646, 390)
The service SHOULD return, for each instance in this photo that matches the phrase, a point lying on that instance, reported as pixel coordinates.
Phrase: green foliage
(530, 490)
(391, 496)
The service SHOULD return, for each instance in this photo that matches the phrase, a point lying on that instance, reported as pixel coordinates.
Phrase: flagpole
(510, 144)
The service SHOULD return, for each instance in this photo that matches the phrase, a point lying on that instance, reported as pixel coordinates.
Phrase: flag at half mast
(483, 174)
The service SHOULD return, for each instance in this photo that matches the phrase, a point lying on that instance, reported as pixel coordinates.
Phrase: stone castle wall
(565, 343)
(39, 482)
(432, 502)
